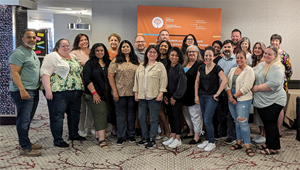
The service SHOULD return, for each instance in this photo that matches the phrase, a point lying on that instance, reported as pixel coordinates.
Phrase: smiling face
(140, 43)
(208, 56)
(173, 58)
(83, 43)
(275, 43)
(164, 35)
(99, 52)
(163, 48)
(241, 60)
(29, 39)
(64, 48)
(125, 49)
(236, 37)
(257, 50)
(269, 55)
(192, 54)
(245, 46)
(152, 55)
(189, 40)
(228, 49)
(113, 42)
(217, 48)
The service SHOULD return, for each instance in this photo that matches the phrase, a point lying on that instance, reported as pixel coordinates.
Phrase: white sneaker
(203, 145)
(168, 142)
(175, 143)
(93, 131)
(210, 147)
(260, 140)
(256, 138)
(82, 133)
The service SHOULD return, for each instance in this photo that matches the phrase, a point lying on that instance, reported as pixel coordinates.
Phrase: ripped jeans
(241, 110)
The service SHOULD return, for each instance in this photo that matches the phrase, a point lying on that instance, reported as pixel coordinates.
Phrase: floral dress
(286, 61)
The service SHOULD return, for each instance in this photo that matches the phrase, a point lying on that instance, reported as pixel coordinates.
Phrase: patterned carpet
(87, 155)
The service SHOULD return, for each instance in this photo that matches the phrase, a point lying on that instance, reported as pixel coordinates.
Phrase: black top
(216, 60)
(97, 75)
(209, 83)
(176, 81)
(191, 74)
(164, 61)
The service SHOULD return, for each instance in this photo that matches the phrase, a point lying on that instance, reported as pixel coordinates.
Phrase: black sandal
(261, 147)
(100, 142)
(236, 146)
(269, 153)
(249, 151)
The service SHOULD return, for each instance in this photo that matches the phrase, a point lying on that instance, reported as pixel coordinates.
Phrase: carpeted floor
(88, 155)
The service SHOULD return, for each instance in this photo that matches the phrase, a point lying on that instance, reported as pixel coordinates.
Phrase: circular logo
(157, 22)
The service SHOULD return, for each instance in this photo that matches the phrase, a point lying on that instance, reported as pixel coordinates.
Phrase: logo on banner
(157, 22)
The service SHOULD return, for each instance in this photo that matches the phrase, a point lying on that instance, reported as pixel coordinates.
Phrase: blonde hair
(114, 35)
(275, 62)
(186, 57)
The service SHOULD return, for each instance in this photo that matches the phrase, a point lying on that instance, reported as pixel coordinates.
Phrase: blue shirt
(227, 65)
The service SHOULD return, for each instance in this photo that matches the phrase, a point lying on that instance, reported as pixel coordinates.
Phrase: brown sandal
(236, 147)
(249, 151)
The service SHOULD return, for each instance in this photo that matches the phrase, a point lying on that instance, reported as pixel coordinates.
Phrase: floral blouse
(286, 61)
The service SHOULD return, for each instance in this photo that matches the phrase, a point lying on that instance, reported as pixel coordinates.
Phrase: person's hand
(159, 97)
(255, 88)
(96, 98)
(136, 97)
(24, 94)
(216, 97)
(49, 95)
(166, 100)
(197, 101)
(232, 100)
(116, 96)
(172, 101)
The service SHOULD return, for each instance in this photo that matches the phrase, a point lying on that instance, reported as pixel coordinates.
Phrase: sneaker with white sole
(260, 140)
(203, 145)
(169, 141)
(210, 147)
(257, 137)
(82, 133)
(175, 143)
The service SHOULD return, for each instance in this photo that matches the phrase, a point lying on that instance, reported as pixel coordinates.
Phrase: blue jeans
(68, 102)
(125, 115)
(25, 112)
(208, 106)
(241, 109)
(154, 107)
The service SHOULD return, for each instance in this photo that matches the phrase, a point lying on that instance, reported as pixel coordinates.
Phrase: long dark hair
(169, 48)
(120, 58)
(255, 58)
(77, 40)
(179, 54)
(184, 45)
(146, 53)
(94, 59)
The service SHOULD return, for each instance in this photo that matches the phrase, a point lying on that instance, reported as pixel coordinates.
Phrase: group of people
(141, 88)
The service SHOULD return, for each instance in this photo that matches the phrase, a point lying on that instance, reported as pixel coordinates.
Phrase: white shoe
(203, 145)
(256, 138)
(175, 143)
(158, 129)
(82, 133)
(93, 131)
(260, 140)
(210, 147)
(168, 142)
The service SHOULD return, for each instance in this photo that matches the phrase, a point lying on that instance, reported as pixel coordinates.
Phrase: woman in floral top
(63, 87)
(286, 61)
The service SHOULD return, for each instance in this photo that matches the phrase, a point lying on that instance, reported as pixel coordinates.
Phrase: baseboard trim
(7, 120)
(294, 84)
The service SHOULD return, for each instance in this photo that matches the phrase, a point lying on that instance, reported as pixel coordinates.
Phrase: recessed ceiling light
(68, 9)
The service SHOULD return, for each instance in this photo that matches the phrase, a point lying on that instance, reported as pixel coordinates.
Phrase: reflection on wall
(6, 46)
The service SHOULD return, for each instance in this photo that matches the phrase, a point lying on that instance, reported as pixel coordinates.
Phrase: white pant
(193, 117)
(85, 119)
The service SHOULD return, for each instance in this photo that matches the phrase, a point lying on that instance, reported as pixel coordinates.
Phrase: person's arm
(222, 85)
(47, 87)
(15, 74)
(181, 86)
(112, 69)
(163, 80)
(197, 87)
(247, 83)
(136, 86)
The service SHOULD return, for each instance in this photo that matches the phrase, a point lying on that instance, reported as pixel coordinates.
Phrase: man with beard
(164, 35)
(226, 63)
(236, 36)
(24, 90)
(140, 46)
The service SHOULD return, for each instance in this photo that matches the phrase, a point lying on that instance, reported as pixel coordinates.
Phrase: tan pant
(86, 118)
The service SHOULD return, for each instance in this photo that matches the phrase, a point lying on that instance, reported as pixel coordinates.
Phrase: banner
(203, 23)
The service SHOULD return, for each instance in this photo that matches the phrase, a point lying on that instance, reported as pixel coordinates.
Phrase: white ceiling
(46, 8)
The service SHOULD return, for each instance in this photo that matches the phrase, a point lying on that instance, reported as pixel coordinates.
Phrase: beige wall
(257, 19)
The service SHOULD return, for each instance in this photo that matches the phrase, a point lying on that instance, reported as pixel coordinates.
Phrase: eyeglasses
(140, 42)
(65, 46)
(189, 39)
(190, 52)
(154, 52)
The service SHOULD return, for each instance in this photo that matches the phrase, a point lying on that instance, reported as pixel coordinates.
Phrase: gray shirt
(274, 80)
(140, 54)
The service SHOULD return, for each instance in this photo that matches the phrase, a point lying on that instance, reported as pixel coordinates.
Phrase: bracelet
(94, 92)
(218, 93)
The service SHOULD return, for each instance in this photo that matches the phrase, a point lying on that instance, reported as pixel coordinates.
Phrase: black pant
(269, 116)
(174, 113)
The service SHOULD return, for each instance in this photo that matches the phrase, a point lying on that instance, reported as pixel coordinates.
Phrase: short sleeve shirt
(30, 68)
(209, 83)
(124, 77)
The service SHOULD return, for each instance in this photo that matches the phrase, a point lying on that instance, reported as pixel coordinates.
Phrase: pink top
(82, 57)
